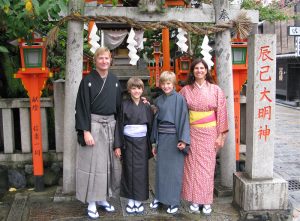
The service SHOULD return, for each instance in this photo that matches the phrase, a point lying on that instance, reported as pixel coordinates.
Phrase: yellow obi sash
(203, 119)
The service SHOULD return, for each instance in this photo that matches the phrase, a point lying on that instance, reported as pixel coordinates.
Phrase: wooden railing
(21, 107)
(9, 108)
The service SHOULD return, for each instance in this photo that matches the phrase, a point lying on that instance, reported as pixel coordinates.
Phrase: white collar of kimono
(200, 86)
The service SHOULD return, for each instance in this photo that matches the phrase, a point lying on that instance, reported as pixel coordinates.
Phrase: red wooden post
(240, 67)
(166, 49)
(157, 54)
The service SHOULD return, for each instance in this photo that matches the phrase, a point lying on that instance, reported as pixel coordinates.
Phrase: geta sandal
(93, 214)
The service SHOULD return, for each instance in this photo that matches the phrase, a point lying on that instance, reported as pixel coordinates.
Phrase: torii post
(74, 63)
(204, 14)
(225, 79)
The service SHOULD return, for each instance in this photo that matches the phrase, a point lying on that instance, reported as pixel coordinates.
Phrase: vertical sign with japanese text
(261, 106)
(36, 134)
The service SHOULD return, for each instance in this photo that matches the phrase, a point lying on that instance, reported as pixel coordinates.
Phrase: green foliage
(57, 54)
(156, 36)
(151, 36)
(8, 66)
(3, 49)
(18, 18)
(269, 13)
(196, 41)
(113, 2)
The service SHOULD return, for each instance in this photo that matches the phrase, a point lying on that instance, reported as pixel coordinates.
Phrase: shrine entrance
(219, 13)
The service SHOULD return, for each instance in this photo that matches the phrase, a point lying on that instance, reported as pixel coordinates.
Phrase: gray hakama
(98, 171)
(170, 127)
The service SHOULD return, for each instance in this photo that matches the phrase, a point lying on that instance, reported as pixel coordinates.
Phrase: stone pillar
(225, 80)
(59, 105)
(8, 130)
(44, 129)
(258, 188)
(261, 106)
(1, 129)
(74, 61)
(25, 129)
(297, 11)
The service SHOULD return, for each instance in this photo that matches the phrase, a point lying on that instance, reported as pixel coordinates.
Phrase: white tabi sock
(137, 203)
(102, 203)
(92, 206)
(130, 202)
(155, 201)
(196, 205)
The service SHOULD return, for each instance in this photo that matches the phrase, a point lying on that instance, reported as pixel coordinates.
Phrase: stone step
(17, 208)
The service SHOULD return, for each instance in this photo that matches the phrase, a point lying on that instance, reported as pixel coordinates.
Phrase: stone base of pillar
(222, 191)
(61, 197)
(254, 195)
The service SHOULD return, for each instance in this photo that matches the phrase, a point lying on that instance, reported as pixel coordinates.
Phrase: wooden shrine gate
(218, 14)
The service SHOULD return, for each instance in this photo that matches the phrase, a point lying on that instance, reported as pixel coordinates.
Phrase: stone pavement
(50, 204)
(287, 152)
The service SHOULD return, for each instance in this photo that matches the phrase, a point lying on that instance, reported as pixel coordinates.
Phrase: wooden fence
(15, 126)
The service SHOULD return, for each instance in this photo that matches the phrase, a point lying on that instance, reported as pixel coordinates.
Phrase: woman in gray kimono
(171, 134)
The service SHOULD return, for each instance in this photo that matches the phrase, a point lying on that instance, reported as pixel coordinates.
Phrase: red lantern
(87, 66)
(34, 73)
(182, 69)
(239, 67)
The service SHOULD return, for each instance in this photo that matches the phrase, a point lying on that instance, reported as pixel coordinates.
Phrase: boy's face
(136, 92)
(167, 87)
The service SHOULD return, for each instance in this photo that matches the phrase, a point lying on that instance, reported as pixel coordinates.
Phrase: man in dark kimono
(98, 170)
(134, 141)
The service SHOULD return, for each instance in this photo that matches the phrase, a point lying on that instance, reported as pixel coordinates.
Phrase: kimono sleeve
(149, 115)
(182, 119)
(154, 129)
(221, 113)
(83, 107)
(149, 118)
(118, 136)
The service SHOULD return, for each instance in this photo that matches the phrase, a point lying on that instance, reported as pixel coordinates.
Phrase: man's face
(103, 61)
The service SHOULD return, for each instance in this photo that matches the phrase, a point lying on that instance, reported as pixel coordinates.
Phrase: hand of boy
(181, 145)
(145, 101)
(154, 152)
(118, 152)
